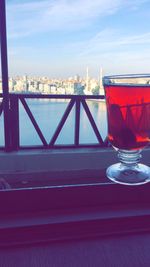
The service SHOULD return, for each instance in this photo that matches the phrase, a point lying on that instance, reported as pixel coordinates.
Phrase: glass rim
(127, 79)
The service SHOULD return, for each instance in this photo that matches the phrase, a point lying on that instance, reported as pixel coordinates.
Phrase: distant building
(11, 84)
(45, 85)
(25, 83)
(78, 88)
(77, 78)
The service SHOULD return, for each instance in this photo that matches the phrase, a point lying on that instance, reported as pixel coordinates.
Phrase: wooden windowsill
(37, 227)
(70, 212)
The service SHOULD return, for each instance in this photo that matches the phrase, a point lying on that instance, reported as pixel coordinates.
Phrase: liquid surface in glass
(128, 112)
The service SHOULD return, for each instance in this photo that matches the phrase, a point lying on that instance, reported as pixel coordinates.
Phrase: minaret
(87, 79)
(101, 89)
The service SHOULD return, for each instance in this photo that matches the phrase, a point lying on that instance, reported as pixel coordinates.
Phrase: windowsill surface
(29, 169)
(41, 215)
(70, 204)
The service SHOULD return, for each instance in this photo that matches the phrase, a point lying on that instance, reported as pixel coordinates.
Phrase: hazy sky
(60, 38)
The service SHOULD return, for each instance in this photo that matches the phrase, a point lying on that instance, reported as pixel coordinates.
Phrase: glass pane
(66, 135)
(87, 134)
(98, 110)
(28, 134)
(47, 113)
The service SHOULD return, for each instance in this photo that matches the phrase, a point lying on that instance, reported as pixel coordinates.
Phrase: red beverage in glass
(128, 112)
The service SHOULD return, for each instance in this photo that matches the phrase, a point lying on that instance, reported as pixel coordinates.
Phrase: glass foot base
(135, 175)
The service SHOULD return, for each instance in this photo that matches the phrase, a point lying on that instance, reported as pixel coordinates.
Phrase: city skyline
(60, 38)
(46, 85)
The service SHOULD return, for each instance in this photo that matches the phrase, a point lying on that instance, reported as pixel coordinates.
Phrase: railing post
(4, 67)
(14, 122)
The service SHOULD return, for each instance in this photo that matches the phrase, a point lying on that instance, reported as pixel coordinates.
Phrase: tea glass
(128, 115)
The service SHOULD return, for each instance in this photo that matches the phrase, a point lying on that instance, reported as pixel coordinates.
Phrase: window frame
(67, 211)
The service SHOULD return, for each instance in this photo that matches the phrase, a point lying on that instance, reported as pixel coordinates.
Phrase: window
(91, 206)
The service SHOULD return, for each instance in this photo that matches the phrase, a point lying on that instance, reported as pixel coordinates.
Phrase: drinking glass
(128, 114)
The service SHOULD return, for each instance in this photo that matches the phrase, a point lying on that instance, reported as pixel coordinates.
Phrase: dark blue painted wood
(4, 67)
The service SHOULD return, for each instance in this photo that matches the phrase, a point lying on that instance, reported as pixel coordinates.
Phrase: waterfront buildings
(44, 85)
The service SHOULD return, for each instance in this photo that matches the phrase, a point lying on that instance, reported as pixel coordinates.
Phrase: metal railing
(73, 101)
(10, 106)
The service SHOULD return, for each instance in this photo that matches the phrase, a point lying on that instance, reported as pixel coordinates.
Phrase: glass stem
(129, 158)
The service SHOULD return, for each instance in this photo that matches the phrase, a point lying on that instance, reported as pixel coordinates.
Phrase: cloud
(112, 40)
(27, 18)
(116, 52)
(109, 47)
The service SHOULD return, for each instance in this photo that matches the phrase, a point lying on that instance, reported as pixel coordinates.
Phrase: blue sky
(60, 38)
